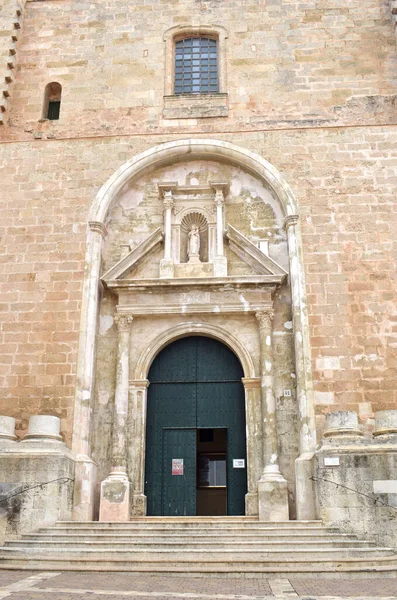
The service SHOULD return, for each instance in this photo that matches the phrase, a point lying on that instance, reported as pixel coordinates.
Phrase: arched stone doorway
(195, 433)
(285, 208)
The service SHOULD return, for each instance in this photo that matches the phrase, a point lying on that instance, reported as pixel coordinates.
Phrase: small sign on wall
(238, 463)
(331, 461)
(177, 466)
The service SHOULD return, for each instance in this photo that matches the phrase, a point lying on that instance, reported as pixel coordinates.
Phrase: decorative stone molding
(251, 254)
(123, 322)
(251, 383)
(175, 151)
(290, 220)
(219, 333)
(265, 319)
(98, 227)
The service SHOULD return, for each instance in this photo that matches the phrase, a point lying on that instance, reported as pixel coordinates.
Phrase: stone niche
(154, 274)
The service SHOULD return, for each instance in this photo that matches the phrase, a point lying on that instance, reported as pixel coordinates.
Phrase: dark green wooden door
(195, 382)
(179, 472)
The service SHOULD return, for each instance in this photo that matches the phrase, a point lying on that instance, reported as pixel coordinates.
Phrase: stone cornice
(192, 282)
(190, 309)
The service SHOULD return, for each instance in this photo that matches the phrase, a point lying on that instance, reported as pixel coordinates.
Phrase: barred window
(196, 66)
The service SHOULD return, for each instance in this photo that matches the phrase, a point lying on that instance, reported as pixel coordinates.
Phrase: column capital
(290, 220)
(168, 201)
(98, 227)
(138, 384)
(251, 383)
(264, 318)
(123, 322)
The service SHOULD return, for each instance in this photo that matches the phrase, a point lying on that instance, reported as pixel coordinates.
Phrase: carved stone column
(138, 402)
(253, 412)
(167, 263)
(115, 489)
(220, 261)
(272, 487)
(305, 503)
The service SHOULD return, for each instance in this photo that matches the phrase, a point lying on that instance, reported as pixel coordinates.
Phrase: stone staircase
(198, 546)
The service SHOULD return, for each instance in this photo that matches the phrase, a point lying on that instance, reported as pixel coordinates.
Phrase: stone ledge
(195, 106)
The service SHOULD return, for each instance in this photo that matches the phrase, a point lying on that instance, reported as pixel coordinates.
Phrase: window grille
(196, 66)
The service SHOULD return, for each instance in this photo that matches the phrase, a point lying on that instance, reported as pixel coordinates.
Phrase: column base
(220, 266)
(115, 497)
(166, 268)
(139, 502)
(304, 485)
(273, 496)
(84, 489)
(251, 504)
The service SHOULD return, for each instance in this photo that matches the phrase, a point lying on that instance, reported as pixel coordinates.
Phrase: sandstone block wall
(311, 87)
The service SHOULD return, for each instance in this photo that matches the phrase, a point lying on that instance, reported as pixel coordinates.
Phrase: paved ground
(25, 585)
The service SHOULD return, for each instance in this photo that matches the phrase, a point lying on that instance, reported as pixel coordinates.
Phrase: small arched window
(196, 66)
(52, 101)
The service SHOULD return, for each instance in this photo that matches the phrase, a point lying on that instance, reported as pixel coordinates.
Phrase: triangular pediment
(121, 269)
(251, 254)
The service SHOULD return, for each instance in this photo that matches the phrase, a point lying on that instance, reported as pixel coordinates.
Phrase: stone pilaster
(138, 400)
(220, 261)
(305, 502)
(115, 489)
(86, 470)
(167, 263)
(272, 487)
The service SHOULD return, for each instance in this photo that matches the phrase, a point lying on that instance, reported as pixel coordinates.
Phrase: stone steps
(185, 539)
(215, 546)
(211, 546)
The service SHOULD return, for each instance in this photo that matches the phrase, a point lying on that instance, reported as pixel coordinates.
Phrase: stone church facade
(198, 170)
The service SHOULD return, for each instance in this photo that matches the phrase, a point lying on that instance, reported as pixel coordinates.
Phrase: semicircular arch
(185, 329)
(191, 149)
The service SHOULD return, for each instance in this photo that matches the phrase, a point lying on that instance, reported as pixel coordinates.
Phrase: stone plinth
(43, 428)
(342, 423)
(7, 429)
(273, 499)
(115, 497)
(385, 423)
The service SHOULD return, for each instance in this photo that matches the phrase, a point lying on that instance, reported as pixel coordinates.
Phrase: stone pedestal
(166, 268)
(7, 429)
(385, 424)
(115, 497)
(342, 423)
(273, 498)
(43, 428)
(220, 266)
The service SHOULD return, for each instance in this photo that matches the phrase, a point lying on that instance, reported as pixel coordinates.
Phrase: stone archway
(163, 154)
(138, 400)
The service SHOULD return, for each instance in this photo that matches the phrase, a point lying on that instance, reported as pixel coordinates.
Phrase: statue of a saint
(193, 241)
